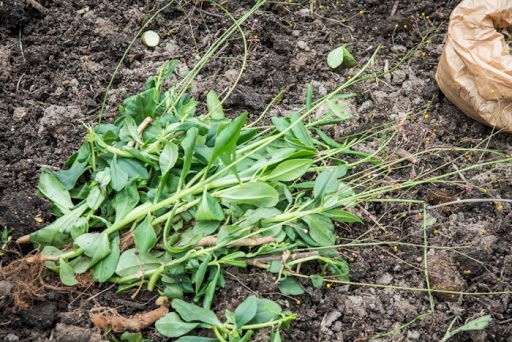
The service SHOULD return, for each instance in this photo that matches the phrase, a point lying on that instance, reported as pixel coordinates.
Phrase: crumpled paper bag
(475, 68)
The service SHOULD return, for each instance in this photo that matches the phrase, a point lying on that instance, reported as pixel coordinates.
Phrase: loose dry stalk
(212, 241)
(263, 260)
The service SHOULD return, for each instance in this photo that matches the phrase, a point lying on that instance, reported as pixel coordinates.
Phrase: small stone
(19, 113)
(302, 45)
(385, 279)
(296, 33)
(413, 335)
(11, 338)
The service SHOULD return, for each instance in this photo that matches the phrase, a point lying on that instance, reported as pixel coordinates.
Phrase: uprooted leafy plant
(164, 198)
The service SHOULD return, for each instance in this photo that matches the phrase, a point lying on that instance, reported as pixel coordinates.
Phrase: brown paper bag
(475, 68)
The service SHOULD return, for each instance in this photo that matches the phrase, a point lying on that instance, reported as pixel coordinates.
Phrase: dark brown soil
(56, 63)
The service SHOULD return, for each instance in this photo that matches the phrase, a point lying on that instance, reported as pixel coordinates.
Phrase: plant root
(107, 317)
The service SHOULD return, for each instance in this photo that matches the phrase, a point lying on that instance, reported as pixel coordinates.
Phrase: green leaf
(80, 163)
(209, 209)
(340, 56)
(289, 170)
(55, 191)
(348, 60)
(225, 143)
(106, 267)
(188, 145)
(335, 57)
(171, 325)
(255, 193)
(145, 236)
(290, 287)
(321, 229)
(95, 245)
(140, 106)
(228, 233)
(266, 311)
(133, 167)
(191, 312)
(118, 175)
(214, 279)
(67, 274)
(299, 130)
(246, 311)
(317, 280)
(131, 262)
(326, 182)
(95, 197)
(133, 337)
(129, 131)
(168, 157)
(214, 106)
(57, 233)
(125, 200)
(342, 216)
(200, 273)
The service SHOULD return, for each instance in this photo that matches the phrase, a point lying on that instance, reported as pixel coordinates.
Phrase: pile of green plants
(164, 198)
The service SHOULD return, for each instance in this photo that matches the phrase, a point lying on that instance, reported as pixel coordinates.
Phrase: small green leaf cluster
(165, 197)
(339, 56)
(253, 313)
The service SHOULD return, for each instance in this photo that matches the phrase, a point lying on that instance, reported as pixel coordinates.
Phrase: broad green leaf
(67, 274)
(133, 167)
(299, 130)
(254, 193)
(106, 267)
(95, 245)
(209, 209)
(320, 229)
(140, 106)
(342, 216)
(128, 130)
(317, 280)
(125, 200)
(214, 106)
(132, 262)
(290, 287)
(246, 311)
(57, 233)
(289, 170)
(118, 175)
(326, 182)
(254, 216)
(168, 157)
(340, 56)
(281, 124)
(227, 137)
(145, 236)
(191, 312)
(204, 228)
(103, 177)
(55, 191)
(95, 197)
(266, 311)
(335, 57)
(171, 325)
(133, 337)
(80, 163)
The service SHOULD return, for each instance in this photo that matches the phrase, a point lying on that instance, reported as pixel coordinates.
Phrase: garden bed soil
(57, 60)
